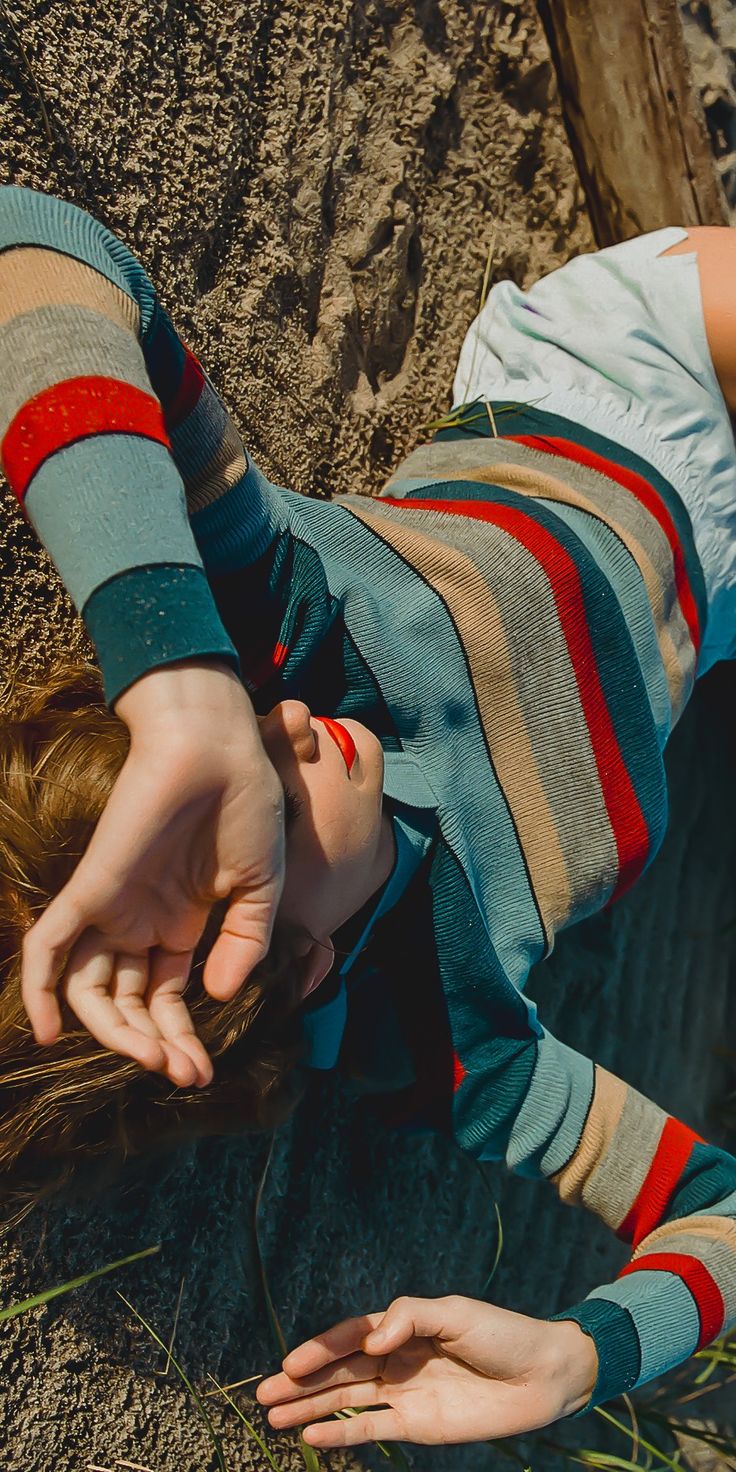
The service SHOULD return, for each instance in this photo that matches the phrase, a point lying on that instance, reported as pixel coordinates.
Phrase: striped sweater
(517, 616)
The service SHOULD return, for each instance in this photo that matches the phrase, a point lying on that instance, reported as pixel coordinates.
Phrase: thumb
(405, 1318)
(43, 949)
(244, 939)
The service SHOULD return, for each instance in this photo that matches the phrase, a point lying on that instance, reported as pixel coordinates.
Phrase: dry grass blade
(236, 1384)
(483, 296)
(29, 69)
(48, 1293)
(177, 1311)
(258, 1439)
(309, 1455)
(664, 1460)
(216, 1442)
(133, 1466)
(634, 1428)
(720, 1441)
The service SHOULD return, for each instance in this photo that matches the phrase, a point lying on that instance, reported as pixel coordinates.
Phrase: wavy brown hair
(75, 1103)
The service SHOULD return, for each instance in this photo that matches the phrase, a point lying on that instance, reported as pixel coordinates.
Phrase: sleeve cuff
(152, 616)
(613, 1332)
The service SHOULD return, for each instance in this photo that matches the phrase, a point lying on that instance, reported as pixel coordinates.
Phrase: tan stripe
(227, 466)
(603, 1120)
(31, 277)
(711, 1240)
(475, 613)
(717, 1228)
(618, 1176)
(539, 483)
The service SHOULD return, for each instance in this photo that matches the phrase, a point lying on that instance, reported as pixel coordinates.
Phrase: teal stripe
(495, 1031)
(238, 528)
(154, 616)
(618, 668)
(612, 1330)
(543, 681)
(708, 1176)
(421, 666)
(198, 439)
(30, 218)
(106, 504)
(551, 1120)
(664, 1313)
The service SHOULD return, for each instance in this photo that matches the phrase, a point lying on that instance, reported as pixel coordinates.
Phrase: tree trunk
(633, 115)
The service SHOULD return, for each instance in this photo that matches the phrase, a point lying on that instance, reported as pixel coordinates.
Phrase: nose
(291, 719)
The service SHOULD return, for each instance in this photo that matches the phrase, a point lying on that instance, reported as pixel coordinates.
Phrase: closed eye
(292, 807)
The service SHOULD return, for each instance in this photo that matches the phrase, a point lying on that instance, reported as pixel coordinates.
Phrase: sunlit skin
(339, 842)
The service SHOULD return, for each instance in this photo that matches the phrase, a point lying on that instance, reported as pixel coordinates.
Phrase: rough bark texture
(631, 108)
(710, 34)
(313, 186)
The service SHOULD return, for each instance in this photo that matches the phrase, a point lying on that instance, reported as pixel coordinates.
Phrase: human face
(339, 843)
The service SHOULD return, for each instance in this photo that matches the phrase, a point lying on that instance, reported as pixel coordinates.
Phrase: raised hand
(195, 816)
(433, 1370)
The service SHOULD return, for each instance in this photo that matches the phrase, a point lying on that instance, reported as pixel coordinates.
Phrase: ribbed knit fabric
(519, 613)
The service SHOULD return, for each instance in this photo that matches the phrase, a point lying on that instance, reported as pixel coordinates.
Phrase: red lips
(342, 739)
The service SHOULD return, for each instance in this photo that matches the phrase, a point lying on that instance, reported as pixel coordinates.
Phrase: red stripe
(695, 1275)
(70, 411)
(670, 1158)
(187, 394)
(646, 494)
(627, 820)
(458, 1073)
(267, 666)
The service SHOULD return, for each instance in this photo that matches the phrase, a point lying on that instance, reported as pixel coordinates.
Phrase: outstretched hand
(195, 816)
(438, 1370)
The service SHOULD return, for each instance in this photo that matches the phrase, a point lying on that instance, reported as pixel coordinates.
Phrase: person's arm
(115, 444)
(456, 1369)
(651, 1179)
(119, 452)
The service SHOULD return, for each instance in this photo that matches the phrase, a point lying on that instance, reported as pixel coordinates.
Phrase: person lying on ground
(464, 687)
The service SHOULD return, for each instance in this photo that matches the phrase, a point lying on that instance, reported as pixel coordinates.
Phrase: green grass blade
(258, 1439)
(309, 1455)
(647, 1445)
(12, 1311)
(215, 1439)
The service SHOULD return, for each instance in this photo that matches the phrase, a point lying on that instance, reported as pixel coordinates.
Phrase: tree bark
(633, 115)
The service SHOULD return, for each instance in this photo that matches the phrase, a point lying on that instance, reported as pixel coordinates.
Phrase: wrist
(181, 690)
(573, 1365)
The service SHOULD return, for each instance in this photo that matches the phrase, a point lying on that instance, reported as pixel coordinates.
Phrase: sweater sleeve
(653, 1181)
(115, 444)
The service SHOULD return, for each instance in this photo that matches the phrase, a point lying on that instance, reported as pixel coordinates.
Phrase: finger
(168, 974)
(368, 1426)
(343, 1339)
(129, 992)
(427, 1318)
(86, 985)
(296, 1412)
(353, 1370)
(244, 939)
(43, 950)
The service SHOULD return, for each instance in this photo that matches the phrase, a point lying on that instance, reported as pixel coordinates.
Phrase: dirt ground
(313, 187)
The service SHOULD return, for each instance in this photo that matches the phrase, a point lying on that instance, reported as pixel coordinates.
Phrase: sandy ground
(313, 187)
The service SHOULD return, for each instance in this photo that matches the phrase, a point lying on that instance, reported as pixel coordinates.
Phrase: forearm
(651, 1180)
(112, 439)
(672, 1196)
